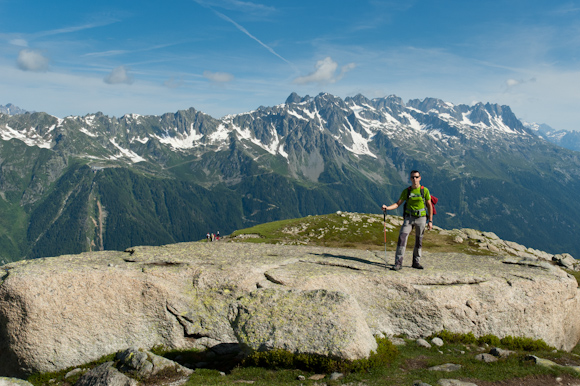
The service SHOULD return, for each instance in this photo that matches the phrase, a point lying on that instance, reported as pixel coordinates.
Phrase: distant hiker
(212, 237)
(418, 213)
(207, 237)
(217, 236)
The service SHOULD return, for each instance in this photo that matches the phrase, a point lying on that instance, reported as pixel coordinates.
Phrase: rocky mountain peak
(10, 109)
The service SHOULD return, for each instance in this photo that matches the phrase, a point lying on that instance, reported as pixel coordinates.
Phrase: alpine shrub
(278, 359)
(525, 344)
(282, 359)
(509, 342)
(489, 339)
(455, 337)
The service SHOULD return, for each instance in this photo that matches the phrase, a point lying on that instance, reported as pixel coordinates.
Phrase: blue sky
(231, 56)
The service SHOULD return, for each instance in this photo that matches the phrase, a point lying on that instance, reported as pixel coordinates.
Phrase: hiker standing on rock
(418, 213)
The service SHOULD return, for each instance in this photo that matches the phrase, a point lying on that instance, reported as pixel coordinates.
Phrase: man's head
(415, 178)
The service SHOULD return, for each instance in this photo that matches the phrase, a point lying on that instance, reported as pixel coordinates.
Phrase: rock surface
(65, 311)
(144, 364)
(105, 375)
(13, 382)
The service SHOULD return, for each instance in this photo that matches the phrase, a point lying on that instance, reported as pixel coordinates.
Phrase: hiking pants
(408, 223)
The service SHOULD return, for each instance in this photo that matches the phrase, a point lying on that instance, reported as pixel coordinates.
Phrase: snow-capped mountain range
(353, 123)
(309, 155)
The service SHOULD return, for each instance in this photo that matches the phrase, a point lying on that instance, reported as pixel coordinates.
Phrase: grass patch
(348, 230)
(401, 365)
(389, 365)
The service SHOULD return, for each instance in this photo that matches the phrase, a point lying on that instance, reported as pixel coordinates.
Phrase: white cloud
(30, 60)
(219, 77)
(118, 75)
(512, 82)
(325, 72)
(19, 42)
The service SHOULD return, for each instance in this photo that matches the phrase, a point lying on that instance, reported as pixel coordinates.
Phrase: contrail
(242, 29)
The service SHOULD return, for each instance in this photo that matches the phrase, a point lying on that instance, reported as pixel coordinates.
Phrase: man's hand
(430, 225)
(384, 208)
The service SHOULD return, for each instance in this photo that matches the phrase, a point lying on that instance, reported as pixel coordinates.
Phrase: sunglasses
(413, 177)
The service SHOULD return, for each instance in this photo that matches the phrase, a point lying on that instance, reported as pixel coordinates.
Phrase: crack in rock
(272, 279)
(332, 264)
(183, 320)
(472, 281)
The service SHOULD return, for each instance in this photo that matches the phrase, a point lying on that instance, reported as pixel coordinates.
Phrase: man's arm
(393, 206)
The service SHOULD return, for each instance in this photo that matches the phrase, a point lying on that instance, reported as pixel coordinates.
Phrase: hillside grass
(348, 230)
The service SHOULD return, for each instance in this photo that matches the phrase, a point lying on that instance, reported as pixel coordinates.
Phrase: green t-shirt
(415, 202)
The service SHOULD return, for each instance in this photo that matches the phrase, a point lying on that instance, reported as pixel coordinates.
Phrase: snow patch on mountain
(140, 140)
(273, 148)
(125, 153)
(413, 123)
(295, 114)
(500, 125)
(311, 115)
(30, 137)
(90, 120)
(282, 152)
(86, 132)
(360, 144)
(220, 136)
(180, 141)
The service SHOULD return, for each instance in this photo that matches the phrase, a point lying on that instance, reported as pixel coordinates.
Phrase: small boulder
(565, 260)
(335, 376)
(437, 342)
(423, 343)
(398, 341)
(105, 375)
(447, 367)
(454, 382)
(146, 364)
(500, 353)
(487, 358)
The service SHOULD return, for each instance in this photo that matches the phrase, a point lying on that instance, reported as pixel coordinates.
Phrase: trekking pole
(385, 233)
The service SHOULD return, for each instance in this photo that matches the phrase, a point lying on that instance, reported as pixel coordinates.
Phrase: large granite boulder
(64, 311)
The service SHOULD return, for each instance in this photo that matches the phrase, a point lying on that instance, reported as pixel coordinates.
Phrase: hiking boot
(417, 266)
(396, 268)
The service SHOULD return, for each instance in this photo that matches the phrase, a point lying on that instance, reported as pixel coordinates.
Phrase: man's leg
(420, 225)
(402, 242)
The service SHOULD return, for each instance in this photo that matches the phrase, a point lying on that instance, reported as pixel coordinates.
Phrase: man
(418, 213)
